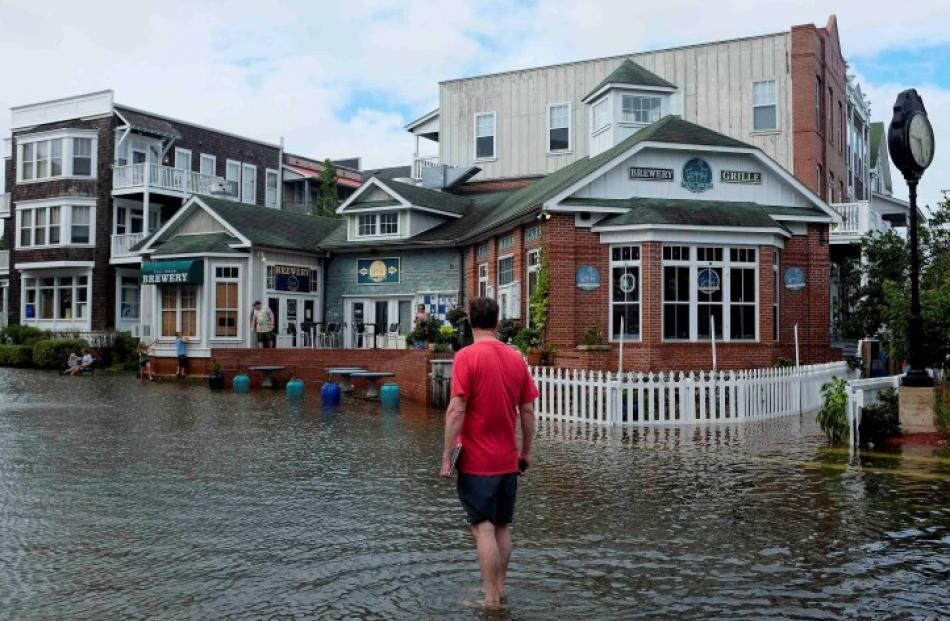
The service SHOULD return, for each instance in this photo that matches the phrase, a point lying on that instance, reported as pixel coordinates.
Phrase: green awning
(185, 272)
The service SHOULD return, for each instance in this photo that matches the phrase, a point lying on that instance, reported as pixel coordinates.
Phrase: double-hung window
(559, 127)
(483, 280)
(183, 159)
(776, 291)
(485, 135)
(506, 270)
(82, 157)
(232, 175)
(533, 260)
(226, 288)
(271, 184)
(742, 293)
(676, 298)
(249, 183)
(51, 157)
(79, 230)
(640, 109)
(764, 106)
(179, 310)
(129, 296)
(624, 293)
(207, 164)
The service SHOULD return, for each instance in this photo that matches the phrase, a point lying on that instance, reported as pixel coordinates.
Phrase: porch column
(145, 208)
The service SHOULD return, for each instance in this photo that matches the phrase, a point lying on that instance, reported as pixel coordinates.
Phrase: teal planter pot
(295, 389)
(241, 383)
(389, 396)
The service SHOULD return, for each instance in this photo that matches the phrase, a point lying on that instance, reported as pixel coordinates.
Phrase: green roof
(365, 205)
(194, 244)
(877, 130)
(695, 212)
(630, 72)
(431, 199)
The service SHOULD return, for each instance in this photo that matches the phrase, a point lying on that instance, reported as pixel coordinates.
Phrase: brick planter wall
(411, 366)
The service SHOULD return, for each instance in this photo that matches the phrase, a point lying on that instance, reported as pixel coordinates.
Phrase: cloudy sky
(342, 79)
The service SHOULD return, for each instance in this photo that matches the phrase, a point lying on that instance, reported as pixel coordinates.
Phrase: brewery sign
(740, 176)
(292, 278)
(651, 174)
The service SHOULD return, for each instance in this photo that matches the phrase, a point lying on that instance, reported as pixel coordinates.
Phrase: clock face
(921, 138)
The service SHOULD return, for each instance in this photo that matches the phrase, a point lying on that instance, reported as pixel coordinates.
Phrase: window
(559, 127)
(481, 251)
(129, 296)
(485, 135)
(831, 115)
(506, 270)
(52, 298)
(179, 309)
(367, 224)
(53, 157)
(533, 260)
(831, 187)
(640, 109)
(764, 106)
(776, 291)
(841, 128)
(483, 280)
(207, 164)
(506, 242)
(226, 297)
(819, 187)
(532, 233)
(388, 223)
(183, 159)
(625, 292)
(710, 286)
(819, 97)
(269, 278)
(232, 173)
(249, 183)
(600, 115)
(53, 225)
(270, 188)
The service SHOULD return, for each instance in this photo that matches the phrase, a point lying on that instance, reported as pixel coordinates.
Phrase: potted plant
(593, 340)
(528, 341)
(507, 329)
(215, 376)
(425, 331)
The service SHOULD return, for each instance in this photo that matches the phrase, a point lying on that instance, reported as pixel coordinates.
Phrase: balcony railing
(173, 180)
(4, 260)
(122, 244)
(418, 163)
(5, 205)
(857, 219)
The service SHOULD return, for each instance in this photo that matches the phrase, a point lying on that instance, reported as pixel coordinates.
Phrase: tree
(326, 201)
(882, 305)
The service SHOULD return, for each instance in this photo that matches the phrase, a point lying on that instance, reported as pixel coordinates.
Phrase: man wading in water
(491, 390)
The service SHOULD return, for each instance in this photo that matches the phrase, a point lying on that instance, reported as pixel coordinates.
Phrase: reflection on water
(122, 500)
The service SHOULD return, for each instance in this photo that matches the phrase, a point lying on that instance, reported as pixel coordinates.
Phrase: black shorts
(183, 361)
(488, 497)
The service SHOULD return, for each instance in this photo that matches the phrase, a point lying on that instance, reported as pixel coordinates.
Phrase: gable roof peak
(632, 74)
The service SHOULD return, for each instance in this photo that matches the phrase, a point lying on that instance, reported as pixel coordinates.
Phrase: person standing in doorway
(182, 352)
(492, 391)
(262, 324)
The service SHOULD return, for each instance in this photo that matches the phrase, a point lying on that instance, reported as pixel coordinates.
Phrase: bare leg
(488, 561)
(503, 542)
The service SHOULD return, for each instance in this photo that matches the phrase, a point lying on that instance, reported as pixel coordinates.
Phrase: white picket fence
(679, 398)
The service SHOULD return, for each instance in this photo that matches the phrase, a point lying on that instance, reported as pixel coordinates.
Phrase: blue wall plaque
(588, 278)
(794, 279)
(697, 175)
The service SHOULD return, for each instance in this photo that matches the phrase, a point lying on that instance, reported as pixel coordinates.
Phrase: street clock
(910, 138)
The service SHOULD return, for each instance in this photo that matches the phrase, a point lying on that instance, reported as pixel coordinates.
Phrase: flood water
(127, 501)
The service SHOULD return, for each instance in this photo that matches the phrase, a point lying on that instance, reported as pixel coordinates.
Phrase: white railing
(4, 260)
(861, 393)
(5, 205)
(157, 177)
(857, 219)
(122, 244)
(678, 398)
(418, 163)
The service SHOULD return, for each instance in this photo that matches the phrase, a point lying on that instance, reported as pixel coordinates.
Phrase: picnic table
(346, 384)
(268, 372)
(372, 381)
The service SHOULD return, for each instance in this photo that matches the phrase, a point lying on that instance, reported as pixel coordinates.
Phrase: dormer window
(640, 109)
(377, 224)
(367, 225)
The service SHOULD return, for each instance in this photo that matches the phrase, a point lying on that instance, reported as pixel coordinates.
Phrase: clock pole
(917, 375)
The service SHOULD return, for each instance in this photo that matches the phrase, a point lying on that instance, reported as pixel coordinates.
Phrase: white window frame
(215, 279)
(207, 157)
(182, 156)
(65, 205)
(649, 112)
(726, 264)
(178, 312)
(773, 104)
(776, 296)
(494, 137)
(119, 288)
(597, 105)
(529, 270)
(637, 263)
(74, 288)
(66, 154)
(376, 221)
(483, 280)
(380, 223)
(245, 168)
(498, 261)
(506, 242)
(570, 128)
(269, 201)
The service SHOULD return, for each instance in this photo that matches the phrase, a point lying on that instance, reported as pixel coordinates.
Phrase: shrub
(783, 363)
(16, 355)
(53, 353)
(527, 339)
(427, 330)
(507, 329)
(942, 407)
(22, 335)
(123, 353)
(592, 336)
(833, 418)
(881, 420)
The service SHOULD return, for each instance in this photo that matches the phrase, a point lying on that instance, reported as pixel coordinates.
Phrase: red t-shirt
(494, 380)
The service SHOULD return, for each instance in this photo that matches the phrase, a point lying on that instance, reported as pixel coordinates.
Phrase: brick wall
(519, 250)
(816, 53)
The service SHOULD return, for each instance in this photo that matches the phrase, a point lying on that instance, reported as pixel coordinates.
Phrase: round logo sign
(794, 279)
(293, 283)
(697, 175)
(588, 278)
(628, 282)
(377, 271)
(708, 281)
